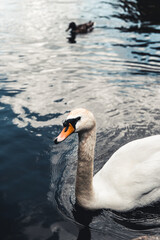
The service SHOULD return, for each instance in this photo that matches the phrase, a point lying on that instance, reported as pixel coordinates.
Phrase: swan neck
(84, 179)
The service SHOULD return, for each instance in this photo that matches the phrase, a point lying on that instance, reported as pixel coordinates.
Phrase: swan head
(78, 120)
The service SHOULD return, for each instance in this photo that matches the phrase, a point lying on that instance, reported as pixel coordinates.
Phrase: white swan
(129, 179)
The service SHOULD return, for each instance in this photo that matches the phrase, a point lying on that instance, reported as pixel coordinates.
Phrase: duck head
(72, 26)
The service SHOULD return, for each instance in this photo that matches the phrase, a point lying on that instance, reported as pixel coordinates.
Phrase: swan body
(129, 179)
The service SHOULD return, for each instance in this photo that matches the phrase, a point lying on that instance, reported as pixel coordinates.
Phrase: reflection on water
(72, 38)
(113, 71)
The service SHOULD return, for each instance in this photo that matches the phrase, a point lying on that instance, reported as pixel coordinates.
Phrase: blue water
(113, 71)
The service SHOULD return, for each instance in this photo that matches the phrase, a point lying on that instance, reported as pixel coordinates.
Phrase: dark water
(113, 71)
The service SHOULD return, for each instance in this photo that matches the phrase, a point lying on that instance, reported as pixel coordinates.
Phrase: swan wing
(131, 177)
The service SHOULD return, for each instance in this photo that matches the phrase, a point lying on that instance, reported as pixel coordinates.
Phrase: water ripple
(113, 71)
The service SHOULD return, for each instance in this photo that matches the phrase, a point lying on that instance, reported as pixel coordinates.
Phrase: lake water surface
(113, 71)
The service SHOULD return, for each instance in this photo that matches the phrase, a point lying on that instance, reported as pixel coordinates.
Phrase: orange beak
(64, 134)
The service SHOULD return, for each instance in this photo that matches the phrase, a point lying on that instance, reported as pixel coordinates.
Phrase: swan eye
(72, 121)
(65, 123)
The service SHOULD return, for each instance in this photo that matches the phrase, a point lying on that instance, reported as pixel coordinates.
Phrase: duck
(129, 179)
(82, 28)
